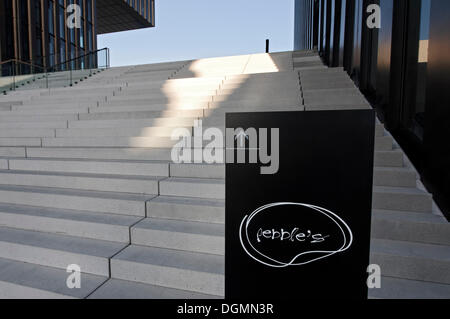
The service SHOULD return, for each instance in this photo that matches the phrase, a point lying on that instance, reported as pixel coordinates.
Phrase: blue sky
(189, 29)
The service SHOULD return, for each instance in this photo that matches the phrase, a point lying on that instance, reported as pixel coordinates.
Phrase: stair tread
(43, 280)
(187, 227)
(189, 201)
(72, 192)
(82, 246)
(88, 175)
(409, 217)
(400, 190)
(173, 258)
(57, 159)
(398, 288)
(410, 249)
(211, 181)
(69, 214)
(122, 289)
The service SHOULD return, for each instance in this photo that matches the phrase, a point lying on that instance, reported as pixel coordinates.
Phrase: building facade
(37, 32)
(400, 60)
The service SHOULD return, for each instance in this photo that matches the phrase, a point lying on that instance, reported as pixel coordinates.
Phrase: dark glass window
(418, 120)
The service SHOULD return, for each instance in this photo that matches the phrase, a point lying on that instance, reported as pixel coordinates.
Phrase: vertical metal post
(267, 45)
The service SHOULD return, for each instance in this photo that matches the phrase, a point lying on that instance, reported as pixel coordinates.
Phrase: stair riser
(180, 189)
(197, 171)
(402, 202)
(34, 125)
(427, 233)
(3, 164)
(15, 291)
(120, 132)
(137, 169)
(141, 115)
(395, 178)
(11, 152)
(169, 277)
(412, 268)
(54, 258)
(100, 205)
(82, 183)
(206, 214)
(66, 227)
(14, 133)
(160, 122)
(99, 154)
(179, 241)
(388, 159)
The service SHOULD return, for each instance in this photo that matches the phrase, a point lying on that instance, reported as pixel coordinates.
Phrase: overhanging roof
(117, 15)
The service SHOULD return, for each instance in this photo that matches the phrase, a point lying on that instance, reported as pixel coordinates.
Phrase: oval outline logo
(279, 264)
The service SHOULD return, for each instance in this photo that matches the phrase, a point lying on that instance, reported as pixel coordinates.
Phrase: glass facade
(37, 32)
(392, 66)
(145, 8)
(40, 32)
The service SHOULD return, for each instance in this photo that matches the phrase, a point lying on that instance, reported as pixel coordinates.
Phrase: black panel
(117, 15)
(325, 174)
(437, 130)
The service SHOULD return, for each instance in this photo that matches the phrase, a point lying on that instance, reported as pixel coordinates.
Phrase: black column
(437, 127)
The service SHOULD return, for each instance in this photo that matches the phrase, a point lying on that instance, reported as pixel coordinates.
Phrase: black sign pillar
(298, 222)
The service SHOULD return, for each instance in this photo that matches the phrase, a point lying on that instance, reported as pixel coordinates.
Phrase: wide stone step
(37, 118)
(187, 209)
(144, 142)
(152, 131)
(22, 280)
(396, 177)
(214, 171)
(93, 201)
(396, 288)
(202, 273)
(335, 100)
(193, 187)
(410, 226)
(20, 141)
(46, 110)
(68, 222)
(12, 152)
(57, 250)
(327, 85)
(113, 167)
(141, 115)
(180, 235)
(3, 164)
(393, 158)
(402, 199)
(132, 154)
(95, 182)
(332, 93)
(415, 261)
(134, 123)
(33, 125)
(121, 289)
(384, 143)
(148, 107)
(35, 132)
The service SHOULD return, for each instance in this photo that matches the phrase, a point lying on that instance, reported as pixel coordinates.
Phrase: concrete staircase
(86, 178)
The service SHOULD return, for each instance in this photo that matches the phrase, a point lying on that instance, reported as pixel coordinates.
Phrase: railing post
(14, 75)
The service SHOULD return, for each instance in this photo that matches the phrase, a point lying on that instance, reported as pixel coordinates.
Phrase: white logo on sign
(309, 256)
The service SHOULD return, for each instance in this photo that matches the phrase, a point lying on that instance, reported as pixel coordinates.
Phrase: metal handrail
(68, 67)
(22, 62)
(85, 55)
